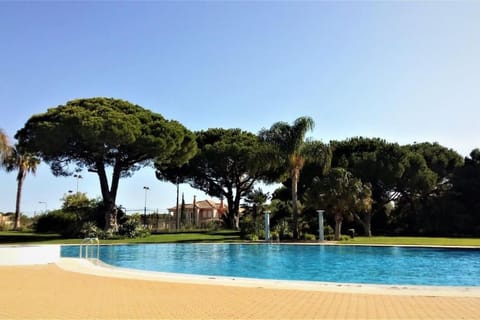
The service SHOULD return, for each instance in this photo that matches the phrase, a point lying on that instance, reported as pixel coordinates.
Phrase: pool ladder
(89, 245)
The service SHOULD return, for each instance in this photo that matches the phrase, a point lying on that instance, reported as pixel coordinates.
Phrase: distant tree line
(365, 184)
(385, 188)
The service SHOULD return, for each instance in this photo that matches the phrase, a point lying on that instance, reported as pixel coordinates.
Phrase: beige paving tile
(48, 292)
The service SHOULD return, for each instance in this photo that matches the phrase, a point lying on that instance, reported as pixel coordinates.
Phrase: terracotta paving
(48, 292)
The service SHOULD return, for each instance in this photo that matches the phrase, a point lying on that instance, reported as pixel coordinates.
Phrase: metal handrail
(88, 243)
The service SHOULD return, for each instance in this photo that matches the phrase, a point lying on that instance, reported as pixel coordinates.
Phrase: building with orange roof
(199, 213)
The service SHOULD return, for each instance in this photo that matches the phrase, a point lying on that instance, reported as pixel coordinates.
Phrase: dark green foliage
(341, 194)
(79, 204)
(132, 228)
(255, 201)
(292, 152)
(57, 221)
(462, 204)
(23, 163)
(69, 221)
(309, 237)
(441, 160)
(282, 227)
(413, 176)
(423, 187)
(90, 230)
(228, 163)
(97, 133)
(373, 160)
(252, 222)
(251, 228)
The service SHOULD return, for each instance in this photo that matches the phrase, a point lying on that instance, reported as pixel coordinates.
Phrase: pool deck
(77, 289)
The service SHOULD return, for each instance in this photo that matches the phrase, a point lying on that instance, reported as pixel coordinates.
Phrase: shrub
(251, 237)
(283, 229)
(274, 236)
(132, 228)
(250, 226)
(90, 230)
(214, 225)
(57, 221)
(287, 236)
(328, 230)
(309, 237)
(331, 237)
(107, 234)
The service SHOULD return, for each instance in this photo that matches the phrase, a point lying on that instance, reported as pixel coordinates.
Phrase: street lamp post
(45, 203)
(145, 207)
(78, 176)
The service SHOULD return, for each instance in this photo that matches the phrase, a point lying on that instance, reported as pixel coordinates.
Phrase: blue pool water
(348, 264)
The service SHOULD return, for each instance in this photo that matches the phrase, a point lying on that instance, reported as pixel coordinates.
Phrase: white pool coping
(15, 255)
(101, 269)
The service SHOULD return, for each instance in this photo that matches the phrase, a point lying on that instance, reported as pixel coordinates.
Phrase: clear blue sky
(401, 71)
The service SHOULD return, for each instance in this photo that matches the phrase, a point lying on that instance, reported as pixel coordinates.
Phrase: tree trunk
(367, 225)
(295, 176)
(234, 222)
(233, 203)
(236, 215)
(233, 218)
(109, 195)
(110, 216)
(231, 211)
(20, 179)
(338, 226)
(177, 217)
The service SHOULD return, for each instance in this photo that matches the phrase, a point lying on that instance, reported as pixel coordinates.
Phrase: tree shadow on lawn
(27, 238)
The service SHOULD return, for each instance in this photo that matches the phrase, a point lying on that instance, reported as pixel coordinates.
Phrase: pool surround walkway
(52, 292)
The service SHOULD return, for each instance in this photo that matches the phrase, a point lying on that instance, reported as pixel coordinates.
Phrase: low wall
(12, 255)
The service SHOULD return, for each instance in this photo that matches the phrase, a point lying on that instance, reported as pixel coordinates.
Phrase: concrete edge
(20, 255)
(104, 270)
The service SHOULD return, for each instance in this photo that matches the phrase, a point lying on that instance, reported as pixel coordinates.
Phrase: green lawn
(429, 241)
(12, 237)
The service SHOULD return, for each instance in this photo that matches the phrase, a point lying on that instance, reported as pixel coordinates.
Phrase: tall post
(78, 176)
(195, 211)
(267, 225)
(320, 225)
(45, 203)
(177, 217)
(145, 207)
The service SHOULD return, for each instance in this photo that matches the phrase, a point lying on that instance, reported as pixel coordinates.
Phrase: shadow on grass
(13, 237)
(224, 233)
(208, 232)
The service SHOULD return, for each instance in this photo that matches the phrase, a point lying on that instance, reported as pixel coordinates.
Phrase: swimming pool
(344, 264)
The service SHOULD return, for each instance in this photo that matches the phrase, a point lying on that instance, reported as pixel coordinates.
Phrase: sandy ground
(53, 292)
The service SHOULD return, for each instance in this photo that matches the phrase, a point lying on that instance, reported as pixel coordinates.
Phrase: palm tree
(342, 194)
(24, 163)
(5, 147)
(256, 199)
(293, 150)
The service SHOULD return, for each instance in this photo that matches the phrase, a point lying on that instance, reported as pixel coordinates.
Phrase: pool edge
(24, 255)
(104, 270)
